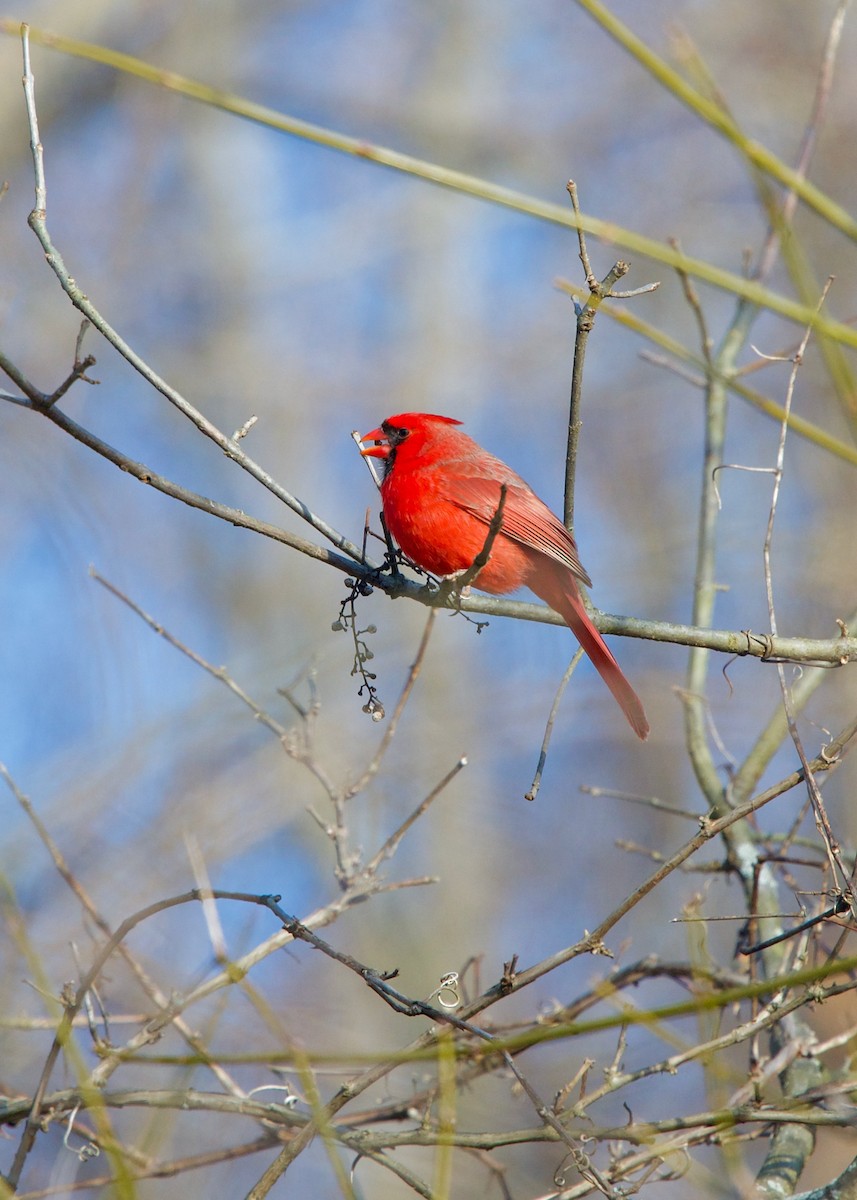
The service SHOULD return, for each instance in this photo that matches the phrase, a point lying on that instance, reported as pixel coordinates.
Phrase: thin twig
(840, 874)
(631, 798)
(391, 845)
(824, 83)
(379, 983)
(37, 401)
(231, 448)
(261, 715)
(543, 752)
(585, 313)
(146, 982)
(831, 652)
(373, 766)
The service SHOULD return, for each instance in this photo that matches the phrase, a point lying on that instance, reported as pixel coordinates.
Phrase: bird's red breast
(441, 490)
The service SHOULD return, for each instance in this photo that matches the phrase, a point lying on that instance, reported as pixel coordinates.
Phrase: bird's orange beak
(379, 451)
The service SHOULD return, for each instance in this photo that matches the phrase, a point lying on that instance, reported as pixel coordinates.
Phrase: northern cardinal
(440, 492)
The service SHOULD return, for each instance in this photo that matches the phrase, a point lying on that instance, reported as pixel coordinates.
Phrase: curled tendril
(446, 993)
(87, 1149)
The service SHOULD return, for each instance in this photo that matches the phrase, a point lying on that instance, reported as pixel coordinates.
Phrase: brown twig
(585, 314)
(543, 751)
(374, 764)
(231, 448)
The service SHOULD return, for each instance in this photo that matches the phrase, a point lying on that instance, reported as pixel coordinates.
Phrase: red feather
(440, 492)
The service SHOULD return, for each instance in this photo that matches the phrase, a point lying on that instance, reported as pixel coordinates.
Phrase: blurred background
(264, 276)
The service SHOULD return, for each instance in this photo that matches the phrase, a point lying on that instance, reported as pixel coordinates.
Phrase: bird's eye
(395, 433)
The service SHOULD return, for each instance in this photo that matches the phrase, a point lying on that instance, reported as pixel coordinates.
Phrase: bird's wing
(526, 518)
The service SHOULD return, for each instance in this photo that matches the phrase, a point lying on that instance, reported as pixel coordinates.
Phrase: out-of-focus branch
(585, 313)
(714, 115)
(593, 942)
(781, 240)
(790, 1147)
(831, 652)
(139, 471)
(676, 349)
(470, 185)
(230, 446)
(705, 582)
(843, 1187)
(756, 762)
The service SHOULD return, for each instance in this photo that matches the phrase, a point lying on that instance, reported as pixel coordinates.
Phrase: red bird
(440, 492)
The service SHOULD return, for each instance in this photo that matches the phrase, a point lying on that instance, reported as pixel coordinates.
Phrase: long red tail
(558, 588)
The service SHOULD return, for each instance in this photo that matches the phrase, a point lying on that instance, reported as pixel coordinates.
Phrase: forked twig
(585, 314)
(841, 875)
(230, 446)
